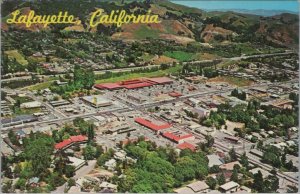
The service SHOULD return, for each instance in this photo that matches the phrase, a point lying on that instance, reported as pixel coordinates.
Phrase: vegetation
(160, 169)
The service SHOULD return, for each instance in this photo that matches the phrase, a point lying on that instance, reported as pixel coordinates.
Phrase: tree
(13, 138)
(71, 182)
(289, 165)
(244, 160)
(90, 133)
(210, 140)
(69, 171)
(185, 169)
(232, 154)
(89, 152)
(211, 182)
(21, 184)
(234, 176)
(39, 153)
(258, 183)
(283, 159)
(99, 151)
(221, 179)
(271, 184)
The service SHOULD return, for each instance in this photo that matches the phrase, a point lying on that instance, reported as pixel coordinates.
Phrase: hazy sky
(238, 4)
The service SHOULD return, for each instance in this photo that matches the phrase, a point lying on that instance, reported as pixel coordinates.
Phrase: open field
(14, 54)
(180, 55)
(129, 76)
(240, 82)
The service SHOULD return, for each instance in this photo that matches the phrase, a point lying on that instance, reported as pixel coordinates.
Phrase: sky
(290, 5)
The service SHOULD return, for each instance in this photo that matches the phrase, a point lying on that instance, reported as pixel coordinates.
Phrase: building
(214, 160)
(175, 94)
(195, 187)
(178, 136)
(229, 187)
(76, 162)
(120, 129)
(264, 173)
(71, 141)
(186, 145)
(229, 166)
(134, 84)
(198, 187)
(153, 125)
(96, 101)
(57, 103)
(33, 104)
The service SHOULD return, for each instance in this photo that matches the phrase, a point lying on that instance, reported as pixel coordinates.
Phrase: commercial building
(33, 104)
(134, 84)
(155, 126)
(96, 101)
(178, 136)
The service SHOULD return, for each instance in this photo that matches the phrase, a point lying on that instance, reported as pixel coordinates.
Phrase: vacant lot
(231, 80)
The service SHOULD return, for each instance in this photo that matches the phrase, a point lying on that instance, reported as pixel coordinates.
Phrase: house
(111, 164)
(246, 189)
(120, 155)
(214, 160)
(229, 187)
(195, 187)
(264, 173)
(230, 166)
(76, 162)
(20, 134)
(108, 187)
(199, 186)
(34, 181)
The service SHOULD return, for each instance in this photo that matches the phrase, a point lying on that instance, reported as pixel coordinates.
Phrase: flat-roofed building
(33, 104)
(96, 101)
(229, 187)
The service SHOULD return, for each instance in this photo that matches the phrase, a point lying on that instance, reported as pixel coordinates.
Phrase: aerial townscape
(202, 102)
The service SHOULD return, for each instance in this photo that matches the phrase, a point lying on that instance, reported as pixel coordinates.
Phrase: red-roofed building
(78, 138)
(126, 141)
(151, 125)
(160, 80)
(108, 86)
(186, 145)
(138, 85)
(63, 144)
(178, 138)
(175, 94)
(134, 84)
(72, 140)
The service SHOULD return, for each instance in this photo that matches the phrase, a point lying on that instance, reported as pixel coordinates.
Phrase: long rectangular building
(152, 125)
(134, 84)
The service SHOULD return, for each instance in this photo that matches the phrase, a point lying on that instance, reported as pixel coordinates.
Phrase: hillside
(179, 23)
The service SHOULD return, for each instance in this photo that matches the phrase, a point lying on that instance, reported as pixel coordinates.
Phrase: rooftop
(229, 185)
(198, 186)
(152, 125)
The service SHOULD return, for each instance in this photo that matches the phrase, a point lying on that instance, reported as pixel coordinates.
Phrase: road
(136, 107)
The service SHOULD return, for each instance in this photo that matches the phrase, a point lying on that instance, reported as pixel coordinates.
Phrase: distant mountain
(260, 12)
